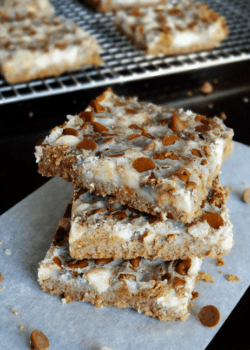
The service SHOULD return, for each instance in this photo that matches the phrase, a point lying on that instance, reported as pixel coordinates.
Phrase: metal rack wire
(123, 62)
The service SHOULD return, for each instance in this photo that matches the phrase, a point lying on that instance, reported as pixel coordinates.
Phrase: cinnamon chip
(87, 116)
(183, 266)
(96, 106)
(57, 261)
(143, 164)
(246, 196)
(169, 140)
(39, 341)
(120, 215)
(70, 131)
(78, 264)
(183, 175)
(103, 261)
(124, 276)
(214, 220)
(209, 316)
(99, 127)
(87, 144)
(196, 152)
(177, 124)
(135, 262)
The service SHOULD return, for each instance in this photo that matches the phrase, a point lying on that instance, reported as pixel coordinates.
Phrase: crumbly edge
(109, 7)
(56, 161)
(158, 249)
(145, 301)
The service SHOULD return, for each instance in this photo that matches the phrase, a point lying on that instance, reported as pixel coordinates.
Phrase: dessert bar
(19, 9)
(157, 288)
(154, 159)
(101, 228)
(114, 5)
(41, 47)
(173, 28)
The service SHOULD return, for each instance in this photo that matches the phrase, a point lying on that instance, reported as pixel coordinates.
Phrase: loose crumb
(223, 116)
(190, 304)
(88, 314)
(206, 88)
(2, 288)
(206, 277)
(189, 93)
(1, 241)
(21, 328)
(195, 295)
(63, 301)
(8, 251)
(1, 277)
(232, 278)
(221, 262)
(220, 272)
(15, 311)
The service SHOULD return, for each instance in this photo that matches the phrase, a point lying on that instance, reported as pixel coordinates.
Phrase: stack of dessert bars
(147, 207)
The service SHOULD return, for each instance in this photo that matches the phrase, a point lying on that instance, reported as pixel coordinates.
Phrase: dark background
(23, 124)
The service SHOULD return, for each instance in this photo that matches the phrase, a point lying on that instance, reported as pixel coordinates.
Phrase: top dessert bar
(173, 28)
(19, 9)
(114, 5)
(154, 159)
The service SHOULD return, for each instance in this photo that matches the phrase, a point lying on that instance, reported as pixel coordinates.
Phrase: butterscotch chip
(39, 340)
(97, 107)
(143, 164)
(232, 278)
(246, 196)
(135, 262)
(206, 88)
(70, 131)
(119, 215)
(183, 175)
(183, 266)
(87, 144)
(87, 116)
(196, 152)
(124, 276)
(79, 264)
(57, 261)
(99, 127)
(170, 140)
(177, 124)
(209, 316)
(103, 261)
(214, 220)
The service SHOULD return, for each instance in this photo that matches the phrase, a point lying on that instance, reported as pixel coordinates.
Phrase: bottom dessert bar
(158, 288)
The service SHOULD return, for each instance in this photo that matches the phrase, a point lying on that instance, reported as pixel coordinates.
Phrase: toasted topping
(135, 262)
(183, 266)
(232, 278)
(190, 185)
(209, 316)
(96, 106)
(77, 264)
(214, 220)
(87, 144)
(143, 164)
(246, 196)
(196, 152)
(57, 261)
(183, 175)
(169, 140)
(87, 116)
(116, 155)
(124, 276)
(177, 124)
(103, 261)
(120, 215)
(70, 131)
(39, 341)
(131, 111)
(99, 127)
(178, 282)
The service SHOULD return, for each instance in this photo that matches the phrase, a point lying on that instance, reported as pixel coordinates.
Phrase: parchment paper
(27, 229)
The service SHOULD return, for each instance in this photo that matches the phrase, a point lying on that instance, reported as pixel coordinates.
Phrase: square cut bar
(19, 9)
(154, 159)
(41, 47)
(157, 288)
(173, 28)
(104, 229)
(114, 5)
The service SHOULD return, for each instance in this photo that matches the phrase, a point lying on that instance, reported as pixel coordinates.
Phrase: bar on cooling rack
(154, 159)
(115, 5)
(173, 28)
(19, 9)
(41, 47)
(158, 288)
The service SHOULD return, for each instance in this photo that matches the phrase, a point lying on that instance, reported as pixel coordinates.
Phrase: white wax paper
(28, 228)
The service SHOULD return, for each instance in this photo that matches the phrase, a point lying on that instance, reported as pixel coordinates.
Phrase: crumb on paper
(8, 251)
(15, 311)
(221, 262)
(228, 189)
(245, 99)
(232, 278)
(105, 348)
(190, 304)
(1, 241)
(88, 313)
(223, 116)
(21, 328)
(220, 272)
(206, 88)
(1, 277)
(31, 114)
(64, 301)
(195, 295)
(206, 277)
(189, 93)
(2, 288)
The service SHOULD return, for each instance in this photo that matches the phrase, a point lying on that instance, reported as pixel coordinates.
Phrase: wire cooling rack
(123, 62)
